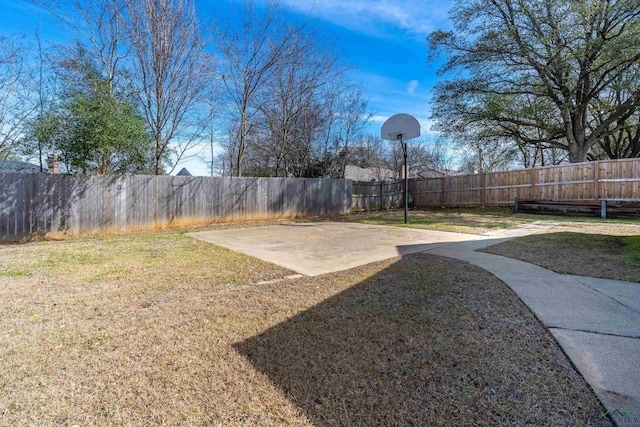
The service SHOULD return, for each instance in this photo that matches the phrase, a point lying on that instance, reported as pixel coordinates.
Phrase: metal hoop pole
(406, 181)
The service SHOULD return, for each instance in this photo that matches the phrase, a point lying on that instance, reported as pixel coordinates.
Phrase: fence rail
(607, 179)
(33, 205)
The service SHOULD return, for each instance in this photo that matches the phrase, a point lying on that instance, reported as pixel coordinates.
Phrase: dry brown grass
(610, 251)
(467, 220)
(157, 328)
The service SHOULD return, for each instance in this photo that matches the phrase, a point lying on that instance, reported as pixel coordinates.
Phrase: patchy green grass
(473, 221)
(632, 247)
(466, 220)
(157, 328)
(610, 251)
(12, 272)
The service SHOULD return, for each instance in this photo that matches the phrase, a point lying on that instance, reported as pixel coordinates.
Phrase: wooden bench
(603, 208)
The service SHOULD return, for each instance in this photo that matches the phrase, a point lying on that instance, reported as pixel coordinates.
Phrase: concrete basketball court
(317, 248)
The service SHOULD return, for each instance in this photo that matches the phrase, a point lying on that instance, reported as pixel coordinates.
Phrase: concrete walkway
(596, 321)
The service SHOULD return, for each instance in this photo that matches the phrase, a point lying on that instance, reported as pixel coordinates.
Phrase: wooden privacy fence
(34, 205)
(372, 196)
(607, 179)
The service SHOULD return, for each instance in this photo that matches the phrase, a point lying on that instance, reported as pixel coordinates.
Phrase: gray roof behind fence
(9, 166)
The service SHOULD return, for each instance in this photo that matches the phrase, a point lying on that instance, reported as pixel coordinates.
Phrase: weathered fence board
(373, 196)
(33, 205)
(607, 179)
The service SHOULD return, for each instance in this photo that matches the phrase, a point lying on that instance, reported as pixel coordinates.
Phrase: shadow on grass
(427, 341)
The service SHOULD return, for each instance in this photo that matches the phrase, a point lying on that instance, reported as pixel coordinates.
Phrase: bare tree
(426, 157)
(437, 156)
(292, 109)
(248, 54)
(212, 108)
(100, 26)
(347, 116)
(38, 132)
(481, 156)
(15, 103)
(171, 74)
(369, 152)
(293, 114)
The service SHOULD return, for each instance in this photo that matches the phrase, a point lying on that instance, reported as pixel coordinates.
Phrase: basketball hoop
(402, 127)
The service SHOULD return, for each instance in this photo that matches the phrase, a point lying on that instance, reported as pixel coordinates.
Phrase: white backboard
(400, 126)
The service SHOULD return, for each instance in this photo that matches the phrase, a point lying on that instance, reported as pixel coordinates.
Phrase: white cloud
(379, 17)
(378, 119)
(412, 86)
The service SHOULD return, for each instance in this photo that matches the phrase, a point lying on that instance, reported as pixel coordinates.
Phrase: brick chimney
(53, 164)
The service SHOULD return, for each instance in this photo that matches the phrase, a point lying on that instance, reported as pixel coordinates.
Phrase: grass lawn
(610, 251)
(157, 328)
(472, 221)
(465, 220)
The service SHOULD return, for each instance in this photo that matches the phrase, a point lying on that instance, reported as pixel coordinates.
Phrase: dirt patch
(607, 251)
(160, 329)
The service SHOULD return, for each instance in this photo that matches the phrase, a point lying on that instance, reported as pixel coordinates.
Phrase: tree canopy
(93, 130)
(542, 73)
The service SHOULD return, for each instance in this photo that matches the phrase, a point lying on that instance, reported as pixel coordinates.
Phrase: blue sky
(384, 39)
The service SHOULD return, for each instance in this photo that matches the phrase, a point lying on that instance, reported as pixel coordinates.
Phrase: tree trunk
(576, 138)
(577, 153)
(159, 150)
(241, 148)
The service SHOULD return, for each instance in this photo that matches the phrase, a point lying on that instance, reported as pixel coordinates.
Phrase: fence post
(596, 180)
(533, 183)
(515, 205)
(483, 192)
(381, 195)
(442, 194)
(603, 208)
